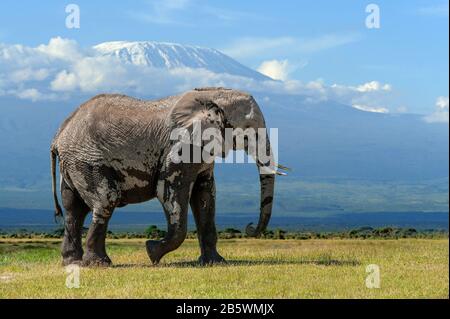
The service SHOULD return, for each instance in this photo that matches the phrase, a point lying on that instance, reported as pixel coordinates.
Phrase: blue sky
(325, 40)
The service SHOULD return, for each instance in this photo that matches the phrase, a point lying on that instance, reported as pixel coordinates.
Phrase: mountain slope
(172, 55)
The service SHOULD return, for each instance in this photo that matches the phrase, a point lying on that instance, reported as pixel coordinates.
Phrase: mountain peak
(173, 55)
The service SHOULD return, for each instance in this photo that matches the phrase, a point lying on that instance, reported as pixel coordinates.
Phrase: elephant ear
(194, 111)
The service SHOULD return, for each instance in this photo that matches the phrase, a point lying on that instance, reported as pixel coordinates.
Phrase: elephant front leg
(203, 202)
(174, 197)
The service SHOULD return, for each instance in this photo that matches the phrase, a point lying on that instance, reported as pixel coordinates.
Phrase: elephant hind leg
(95, 254)
(76, 211)
(104, 196)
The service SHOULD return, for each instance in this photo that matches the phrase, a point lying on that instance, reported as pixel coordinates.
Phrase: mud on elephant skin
(116, 150)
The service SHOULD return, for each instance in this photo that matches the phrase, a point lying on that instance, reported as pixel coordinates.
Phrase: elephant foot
(154, 251)
(91, 259)
(71, 256)
(209, 259)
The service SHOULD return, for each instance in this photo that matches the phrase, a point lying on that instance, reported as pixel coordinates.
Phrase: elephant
(114, 150)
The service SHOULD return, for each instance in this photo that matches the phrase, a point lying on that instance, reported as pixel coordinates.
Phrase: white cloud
(251, 46)
(60, 48)
(373, 100)
(373, 86)
(370, 96)
(19, 56)
(442, 102)
(64, 81)
(33, 94)
(61, 69)
(370, 108)
(29, 74)
(441, 114)
(275, 69)
(25, 71)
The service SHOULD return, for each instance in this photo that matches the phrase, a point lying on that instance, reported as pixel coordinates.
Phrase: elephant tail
(58, 210)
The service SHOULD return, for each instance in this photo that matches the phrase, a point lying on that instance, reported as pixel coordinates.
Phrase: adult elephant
(115, 150)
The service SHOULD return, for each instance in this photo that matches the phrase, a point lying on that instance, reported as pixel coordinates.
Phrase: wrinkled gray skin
(113, 151)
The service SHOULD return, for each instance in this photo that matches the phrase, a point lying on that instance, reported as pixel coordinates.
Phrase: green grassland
(256, 268)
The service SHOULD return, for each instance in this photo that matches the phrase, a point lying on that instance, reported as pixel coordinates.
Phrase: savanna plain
(256, 268)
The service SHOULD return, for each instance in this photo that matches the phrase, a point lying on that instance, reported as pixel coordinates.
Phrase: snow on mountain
(172, 55)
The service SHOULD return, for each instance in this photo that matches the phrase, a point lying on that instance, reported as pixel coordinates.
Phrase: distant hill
(42, 220)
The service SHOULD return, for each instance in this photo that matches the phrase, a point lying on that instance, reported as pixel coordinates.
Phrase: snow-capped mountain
(172, 55)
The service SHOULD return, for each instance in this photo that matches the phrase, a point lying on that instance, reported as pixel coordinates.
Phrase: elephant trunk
(267, 182)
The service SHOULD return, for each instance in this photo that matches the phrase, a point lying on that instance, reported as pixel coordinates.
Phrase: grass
(409, 268)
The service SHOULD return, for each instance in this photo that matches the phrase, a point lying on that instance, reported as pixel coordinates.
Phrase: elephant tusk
(270, 170)
(273, 169)
(283, 167)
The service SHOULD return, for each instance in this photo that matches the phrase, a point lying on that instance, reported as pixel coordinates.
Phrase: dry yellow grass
(410, 268)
